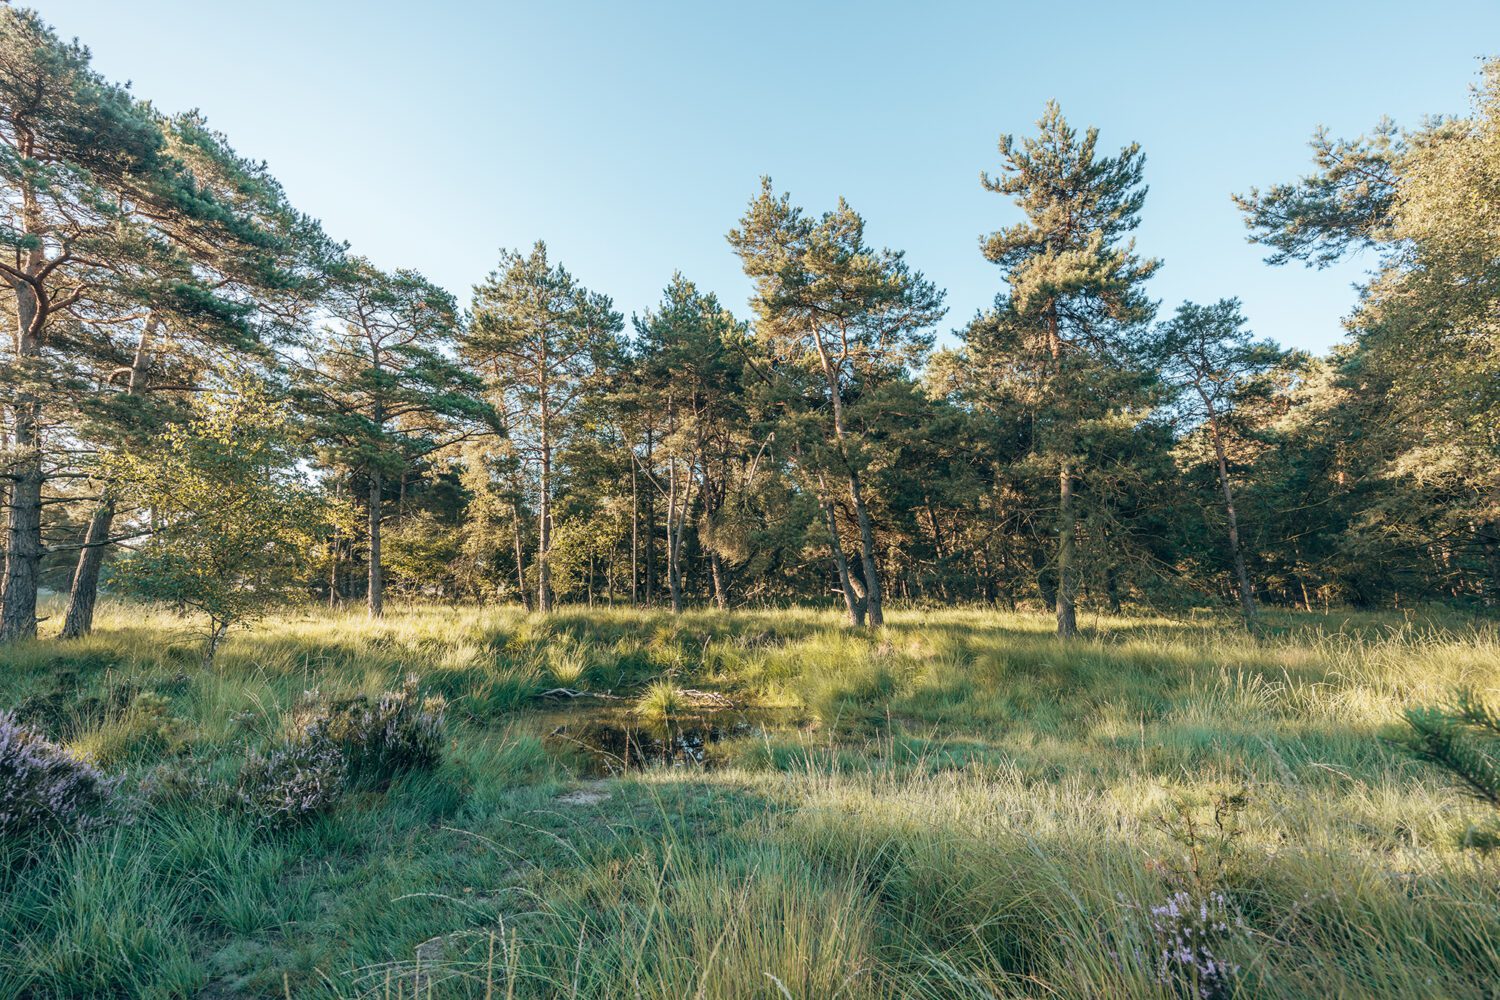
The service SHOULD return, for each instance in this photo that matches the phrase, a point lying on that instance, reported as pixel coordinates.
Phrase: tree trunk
(852, 604)
(23, 548)
(1242, 577)
(376, 595)
(721, 590)
(24, 529)
(1067, 617)
(674, 535)
(856, 494)
(515, 511)
(84, 593)
(544, 526)
(635, 534)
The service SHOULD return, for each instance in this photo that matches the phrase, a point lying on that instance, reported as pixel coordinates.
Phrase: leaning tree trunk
(856, 493)
(866, 552)
(84, 593)
(376, 593)
(852, 604)
(1067, 616)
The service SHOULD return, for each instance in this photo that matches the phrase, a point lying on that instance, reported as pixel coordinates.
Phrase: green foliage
(231, 517)
(1462, 739)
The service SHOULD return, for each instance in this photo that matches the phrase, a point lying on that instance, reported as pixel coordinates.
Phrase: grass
(960, 806)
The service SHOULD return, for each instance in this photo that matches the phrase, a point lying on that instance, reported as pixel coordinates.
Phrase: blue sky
(629, 135)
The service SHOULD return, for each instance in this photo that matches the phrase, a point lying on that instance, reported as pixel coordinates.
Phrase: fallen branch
(569, 693)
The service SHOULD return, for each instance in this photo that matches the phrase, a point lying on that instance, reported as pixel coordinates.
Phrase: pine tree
(384, 389)
(690, 372)
(1075, 297)
(542, 342)
(830, 306)
(1207, 355)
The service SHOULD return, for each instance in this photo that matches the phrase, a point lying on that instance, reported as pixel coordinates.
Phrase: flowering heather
(1189, 936)
(402, 731)
(43, 786)
(292, 782)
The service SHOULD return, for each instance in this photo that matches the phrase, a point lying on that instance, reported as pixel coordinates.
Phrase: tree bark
(84, 593)
(23, 548)
(1242, 576)
(721, 590)
(544, 522)
(1067, 518)
(515, 511)
(376, 594)
(852, 604)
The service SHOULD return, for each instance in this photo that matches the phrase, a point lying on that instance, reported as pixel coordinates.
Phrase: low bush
(45, 787)
(293, 782)
(402, 731)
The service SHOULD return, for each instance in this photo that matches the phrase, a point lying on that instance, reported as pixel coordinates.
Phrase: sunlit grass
(966, 807)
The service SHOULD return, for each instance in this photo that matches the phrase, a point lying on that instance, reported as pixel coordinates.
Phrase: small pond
(609, 740)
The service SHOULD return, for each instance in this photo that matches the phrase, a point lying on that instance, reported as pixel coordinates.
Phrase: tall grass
(958, 806)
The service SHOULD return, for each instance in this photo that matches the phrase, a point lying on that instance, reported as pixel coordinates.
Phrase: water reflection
(613, 742)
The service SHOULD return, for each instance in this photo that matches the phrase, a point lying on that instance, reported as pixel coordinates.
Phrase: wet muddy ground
(608, 740)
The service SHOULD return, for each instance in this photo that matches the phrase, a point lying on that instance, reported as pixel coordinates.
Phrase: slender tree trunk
(674, 569)
(721, 590)
(84, 593)
(1242, 577)
(333, 569)
(852, 604)
(856, 493)
(376, 594)
(635, 534)
(650, 523)
(515, 510)
(544, 524)
(1067, 526)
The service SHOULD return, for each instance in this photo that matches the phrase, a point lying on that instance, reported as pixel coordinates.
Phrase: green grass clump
(660, 700)
(957, 806)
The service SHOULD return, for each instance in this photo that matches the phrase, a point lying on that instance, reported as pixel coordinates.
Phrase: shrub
(402, 731)
(293, 782)
(143, 728)
(1189, 936)
(44, 787)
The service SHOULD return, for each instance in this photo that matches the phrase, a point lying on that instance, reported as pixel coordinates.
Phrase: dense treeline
(210, 401)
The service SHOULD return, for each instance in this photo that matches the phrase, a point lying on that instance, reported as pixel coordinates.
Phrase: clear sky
(630, 134)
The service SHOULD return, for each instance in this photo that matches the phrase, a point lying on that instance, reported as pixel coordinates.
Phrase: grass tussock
(958, 806)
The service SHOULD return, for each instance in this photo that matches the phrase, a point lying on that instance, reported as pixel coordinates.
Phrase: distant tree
(1075, 298)
(542, 342)
(690, 373)
(1426, 333)
(1207, 355)
(384, 389)
(231, 518)
(830, 306)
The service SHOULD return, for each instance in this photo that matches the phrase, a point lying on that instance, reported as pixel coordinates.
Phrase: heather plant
(293, 782)
(1190, 936)
(400, 731)
(45, 787)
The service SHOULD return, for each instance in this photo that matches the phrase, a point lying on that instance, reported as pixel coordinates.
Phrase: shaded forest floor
(961, 806)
